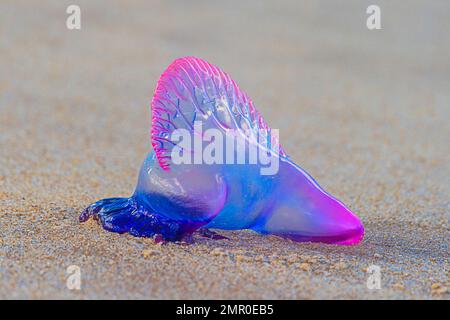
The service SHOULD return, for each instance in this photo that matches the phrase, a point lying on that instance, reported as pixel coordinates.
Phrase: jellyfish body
(175, 199)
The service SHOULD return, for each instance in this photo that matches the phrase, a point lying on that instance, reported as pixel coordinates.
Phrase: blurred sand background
(365, 112)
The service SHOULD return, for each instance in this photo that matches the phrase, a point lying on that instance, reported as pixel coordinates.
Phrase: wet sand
(365, 112)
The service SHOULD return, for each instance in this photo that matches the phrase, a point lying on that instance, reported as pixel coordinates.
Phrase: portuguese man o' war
(174, 199)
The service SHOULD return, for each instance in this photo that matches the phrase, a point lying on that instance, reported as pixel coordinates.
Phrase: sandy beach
(366, 113)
